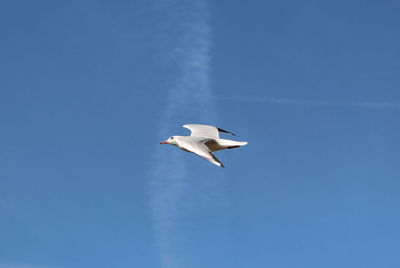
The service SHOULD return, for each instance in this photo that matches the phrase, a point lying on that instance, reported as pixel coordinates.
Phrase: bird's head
(171, 141)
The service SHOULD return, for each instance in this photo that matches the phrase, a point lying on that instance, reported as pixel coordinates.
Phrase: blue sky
(89, 88)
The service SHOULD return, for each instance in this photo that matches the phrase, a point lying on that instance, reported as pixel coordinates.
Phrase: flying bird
(203, 141)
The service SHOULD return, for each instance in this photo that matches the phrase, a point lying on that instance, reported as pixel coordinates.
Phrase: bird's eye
(172, 138)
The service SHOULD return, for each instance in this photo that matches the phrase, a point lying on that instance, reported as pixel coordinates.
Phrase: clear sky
(88, 89)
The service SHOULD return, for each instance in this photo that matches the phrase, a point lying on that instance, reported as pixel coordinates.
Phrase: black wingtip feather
(224, 131)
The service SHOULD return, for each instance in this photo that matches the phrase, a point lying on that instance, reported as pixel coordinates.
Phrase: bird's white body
(203, 141)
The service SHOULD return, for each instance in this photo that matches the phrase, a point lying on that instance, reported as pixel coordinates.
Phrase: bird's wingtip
(224, 131)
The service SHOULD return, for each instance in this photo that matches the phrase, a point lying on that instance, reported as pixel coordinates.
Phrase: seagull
(204, 140)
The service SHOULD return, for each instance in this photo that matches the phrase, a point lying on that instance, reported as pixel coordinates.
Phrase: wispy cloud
(303, 102)
(187, 46)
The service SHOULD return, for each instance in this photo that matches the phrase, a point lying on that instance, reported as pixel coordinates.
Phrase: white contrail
(355, 104)
(187, 45)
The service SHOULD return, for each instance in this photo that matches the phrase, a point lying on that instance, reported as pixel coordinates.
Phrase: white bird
(203, 141)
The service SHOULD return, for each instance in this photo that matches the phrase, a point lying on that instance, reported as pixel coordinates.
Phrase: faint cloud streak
(321, 103)
(188, 98)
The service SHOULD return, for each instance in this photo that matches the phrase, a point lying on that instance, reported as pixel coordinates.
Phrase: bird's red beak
(164, 142)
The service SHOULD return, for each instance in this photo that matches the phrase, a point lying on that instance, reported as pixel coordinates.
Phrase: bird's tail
(229, 144)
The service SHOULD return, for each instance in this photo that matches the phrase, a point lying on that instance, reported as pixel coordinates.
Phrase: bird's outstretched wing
(201, 150)
(205, 131)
